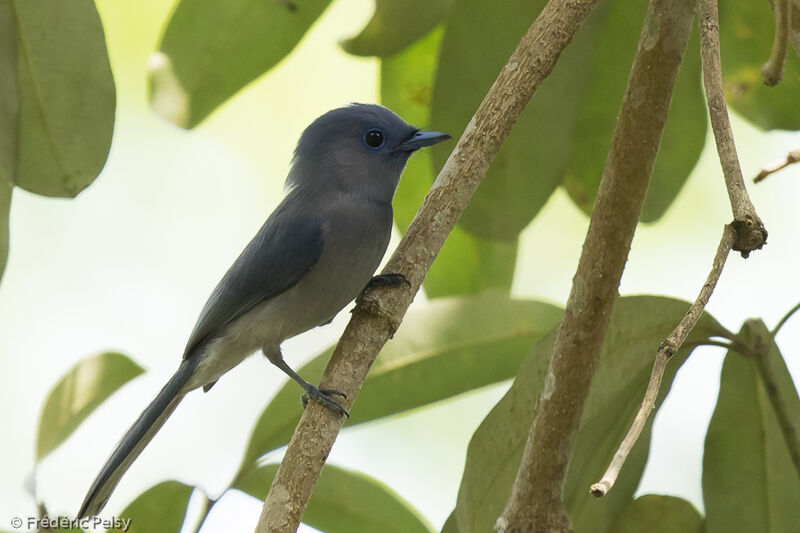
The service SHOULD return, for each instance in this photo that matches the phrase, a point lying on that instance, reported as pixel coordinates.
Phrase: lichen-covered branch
(773, 68)
(751, 234)
(663, 355)
(536, 502)
(380, 310)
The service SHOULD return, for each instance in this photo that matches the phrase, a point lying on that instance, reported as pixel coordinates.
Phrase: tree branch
(663, 355)
(379, 311)
(751, 234)
(536, 502)
(773, 68)
(791, 158)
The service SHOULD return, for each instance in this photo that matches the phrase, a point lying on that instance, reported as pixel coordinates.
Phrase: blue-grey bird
(312, 256)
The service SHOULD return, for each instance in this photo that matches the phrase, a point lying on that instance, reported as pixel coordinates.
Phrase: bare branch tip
(598, 490)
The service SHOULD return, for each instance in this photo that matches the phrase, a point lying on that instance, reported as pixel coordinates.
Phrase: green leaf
(214, 49)
(395, 25)
(5, 207)
(447, 347)
(658, 514)
(160, 509)
(684, 133)
(451, 524)
(66, 96)
(9, 102)
(749, 482)
(345, 501)
(478, 40)
(638, 325)
(466, 264)
(746, 34)
(78, 393)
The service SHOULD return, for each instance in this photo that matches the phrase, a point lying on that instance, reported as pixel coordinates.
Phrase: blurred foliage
(749, 481)
(437, 60)
(345, 502)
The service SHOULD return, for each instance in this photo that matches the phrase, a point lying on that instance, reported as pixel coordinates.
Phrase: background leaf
(160, 509)
(345, 501)
(5, 207)
(531, 164)
(395, 25)
(66, 114)
(466, 264)
(638, 325)
(79, 392)
(658, 514)
(216, 48)
(746, 32)
(9, 99)
(447, 347)
(684, 133)
(749, 482)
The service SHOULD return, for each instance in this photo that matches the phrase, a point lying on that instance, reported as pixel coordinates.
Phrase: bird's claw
(323, 396)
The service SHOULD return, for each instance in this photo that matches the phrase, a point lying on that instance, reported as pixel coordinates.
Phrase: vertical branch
(773, 68)
(380, 310)
(535, 504)
(751, 234)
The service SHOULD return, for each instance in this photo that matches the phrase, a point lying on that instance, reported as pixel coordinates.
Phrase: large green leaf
(658, 514)
(78, 393)
(466, 264)
(449, 346)
(216, 48)
(9, 99)
(749, 482)
(160, 509)
(478, 40)
(684, 133)
(395, 25)
(66, 96)
(746, 34)
(638, 325)
(345, 501)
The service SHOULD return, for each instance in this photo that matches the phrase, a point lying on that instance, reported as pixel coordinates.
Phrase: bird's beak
(421, 139)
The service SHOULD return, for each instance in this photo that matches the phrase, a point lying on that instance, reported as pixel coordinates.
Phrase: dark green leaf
(658, 514)
(478, 40)
(746, 33)
(449, 346)
(638, 325)
(216, 48)
(395, 25)
(466, 264)
(451, 524)
(66, 96)
(345, 501)
(9, 101)
(160, 509)
(749, 482)
(684, 133)
(76, 395)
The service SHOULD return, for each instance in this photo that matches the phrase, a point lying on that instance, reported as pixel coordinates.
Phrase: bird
(314, 254)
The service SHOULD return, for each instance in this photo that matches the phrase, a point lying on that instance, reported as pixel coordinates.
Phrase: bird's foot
(324, 396)
(392, 279)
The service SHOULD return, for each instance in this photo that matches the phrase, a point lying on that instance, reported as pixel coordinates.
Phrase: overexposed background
(128, 264)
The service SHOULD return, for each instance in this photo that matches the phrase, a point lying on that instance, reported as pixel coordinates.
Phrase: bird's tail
(137, 437)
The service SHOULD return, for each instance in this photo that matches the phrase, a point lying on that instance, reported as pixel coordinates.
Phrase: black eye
(374, 138)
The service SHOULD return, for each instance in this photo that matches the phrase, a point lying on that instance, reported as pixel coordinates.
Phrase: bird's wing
(281, 253)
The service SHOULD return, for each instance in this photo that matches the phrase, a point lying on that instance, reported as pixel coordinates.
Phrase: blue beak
(421, 139)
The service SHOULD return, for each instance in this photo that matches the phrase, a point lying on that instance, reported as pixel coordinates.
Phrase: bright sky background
(129, 263)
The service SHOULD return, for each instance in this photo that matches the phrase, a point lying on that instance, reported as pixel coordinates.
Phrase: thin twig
(536, 501)
(664, 353)
(791, 158)
(380, 310)
(773, 68)
(783, 320)
(751, 234)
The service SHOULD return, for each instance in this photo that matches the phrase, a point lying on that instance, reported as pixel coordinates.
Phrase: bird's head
(360, 149)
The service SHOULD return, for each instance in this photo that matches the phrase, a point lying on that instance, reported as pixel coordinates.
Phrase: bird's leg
(392, 279)
(323, 396)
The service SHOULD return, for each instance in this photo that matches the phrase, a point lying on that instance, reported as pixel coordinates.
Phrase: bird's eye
(374, 138)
